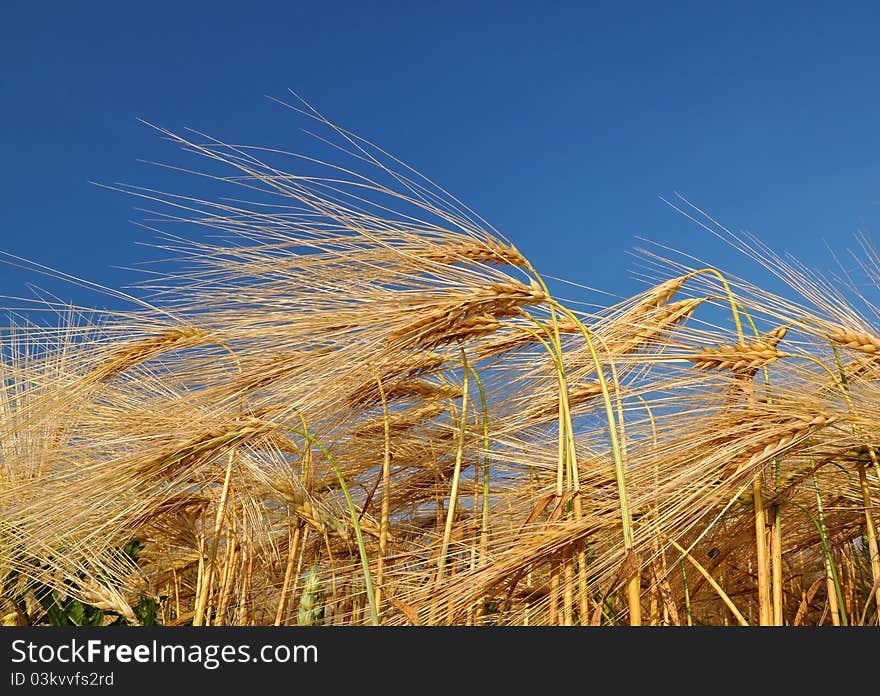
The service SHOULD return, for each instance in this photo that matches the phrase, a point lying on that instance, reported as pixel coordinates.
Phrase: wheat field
(355, 402)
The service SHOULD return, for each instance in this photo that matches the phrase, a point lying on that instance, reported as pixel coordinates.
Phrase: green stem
(687, 593)
(484, 406)
(456, 475)
(619, 467)
(826, 548)
(730, 297)
(368, 579)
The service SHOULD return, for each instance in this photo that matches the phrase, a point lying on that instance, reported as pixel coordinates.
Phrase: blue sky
(561, 123)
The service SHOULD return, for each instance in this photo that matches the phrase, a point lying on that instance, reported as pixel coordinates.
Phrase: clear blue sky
(560, 122)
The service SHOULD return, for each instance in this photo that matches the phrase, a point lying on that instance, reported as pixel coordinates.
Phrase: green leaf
(145, 611)
(95, 617)
(76, 613)
(133, 550)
